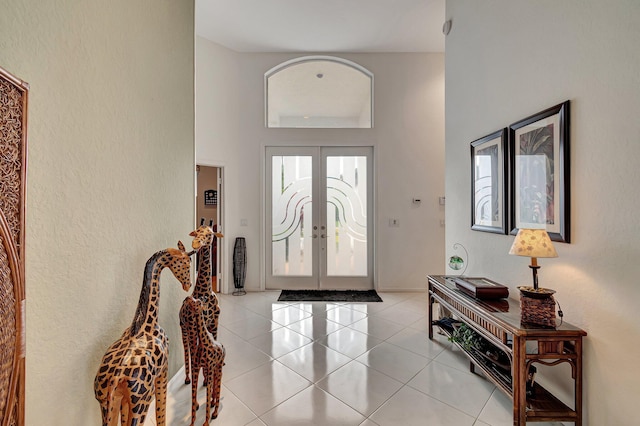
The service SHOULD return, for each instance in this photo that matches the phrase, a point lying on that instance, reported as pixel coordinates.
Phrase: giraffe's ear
(181, 246)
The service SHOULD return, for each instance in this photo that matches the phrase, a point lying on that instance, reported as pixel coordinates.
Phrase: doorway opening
(209, 209)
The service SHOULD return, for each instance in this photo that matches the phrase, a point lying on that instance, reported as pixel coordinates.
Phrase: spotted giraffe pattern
(134, 369)
(203, 291)
(209, 356)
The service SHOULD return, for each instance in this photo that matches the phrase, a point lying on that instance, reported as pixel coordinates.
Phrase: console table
(499, 323)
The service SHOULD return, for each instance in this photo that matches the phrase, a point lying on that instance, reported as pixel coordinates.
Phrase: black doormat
(329, 296)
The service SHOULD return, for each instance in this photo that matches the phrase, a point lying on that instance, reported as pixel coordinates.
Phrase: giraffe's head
(180, 265)
(194, 303)
(197, 306)
(203, 236)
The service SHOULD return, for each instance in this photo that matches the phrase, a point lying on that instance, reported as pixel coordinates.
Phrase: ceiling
(314, 26)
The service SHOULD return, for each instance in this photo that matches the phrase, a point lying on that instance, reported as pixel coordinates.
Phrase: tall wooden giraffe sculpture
(203, 291)
(209, 356)
(135, 367)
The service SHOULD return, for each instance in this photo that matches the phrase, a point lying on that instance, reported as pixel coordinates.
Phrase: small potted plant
(456, 263)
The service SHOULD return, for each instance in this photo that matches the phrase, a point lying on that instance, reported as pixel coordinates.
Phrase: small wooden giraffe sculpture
(209, 356)
(135, 367)
(203, 237)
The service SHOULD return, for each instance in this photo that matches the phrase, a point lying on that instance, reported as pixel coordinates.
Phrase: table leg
(430, 303)
(519, 367)
(578, 382)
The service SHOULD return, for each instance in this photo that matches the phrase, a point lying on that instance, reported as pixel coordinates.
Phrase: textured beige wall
(507, 60)
(407, 137)
(110, 179)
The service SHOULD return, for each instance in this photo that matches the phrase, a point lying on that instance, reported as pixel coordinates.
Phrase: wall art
(539, 172)
(488, 184)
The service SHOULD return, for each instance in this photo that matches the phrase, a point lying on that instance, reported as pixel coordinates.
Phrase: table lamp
(537, 304)
(533, 243)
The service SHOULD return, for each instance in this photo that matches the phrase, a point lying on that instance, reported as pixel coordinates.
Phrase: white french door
(319, 231)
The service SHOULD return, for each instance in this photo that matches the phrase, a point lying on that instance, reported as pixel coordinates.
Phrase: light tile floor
(317, 363)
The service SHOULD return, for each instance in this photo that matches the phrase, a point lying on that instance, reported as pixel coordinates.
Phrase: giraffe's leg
(125, 414)
(137, 412)
(212, 324)
(216, 385)
(195, 356)
(203, 361)
(109, 413)
(211, 314)
(216, 317)
(194, 393)
(184, 327)
(161, 395)
(110, 403)
(208, 374)
(106, 415)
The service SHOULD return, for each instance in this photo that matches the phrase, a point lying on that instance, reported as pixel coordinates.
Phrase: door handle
(323, 236)
(315, 235)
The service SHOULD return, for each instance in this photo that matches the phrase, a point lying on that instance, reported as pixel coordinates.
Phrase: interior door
(319, 229)
(209, 208)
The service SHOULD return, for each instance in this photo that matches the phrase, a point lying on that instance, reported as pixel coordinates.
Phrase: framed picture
(539, 172)
(210, 197)
(488, 188)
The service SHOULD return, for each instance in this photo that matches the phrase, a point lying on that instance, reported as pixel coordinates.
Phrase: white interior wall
(507, 60)
(407, 138)
(217, 127)
(110, 180)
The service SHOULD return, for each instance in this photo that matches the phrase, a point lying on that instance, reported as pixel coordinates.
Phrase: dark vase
(239, 266)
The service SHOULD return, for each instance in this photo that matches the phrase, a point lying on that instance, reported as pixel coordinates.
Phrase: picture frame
(210, 197)
(488, 183)
(539, 172)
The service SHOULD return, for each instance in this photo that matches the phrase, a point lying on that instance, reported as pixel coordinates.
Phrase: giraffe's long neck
(147, 311)
(202, 328)
(203, 282)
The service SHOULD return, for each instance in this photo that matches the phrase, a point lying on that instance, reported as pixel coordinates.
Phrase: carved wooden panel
(13, 155)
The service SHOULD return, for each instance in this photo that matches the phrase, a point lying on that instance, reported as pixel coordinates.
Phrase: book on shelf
(481, 288)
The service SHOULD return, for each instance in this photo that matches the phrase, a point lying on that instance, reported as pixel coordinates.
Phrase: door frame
(371, 219)
(222, 267)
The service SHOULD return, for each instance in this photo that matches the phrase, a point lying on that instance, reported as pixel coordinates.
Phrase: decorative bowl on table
(536, 293)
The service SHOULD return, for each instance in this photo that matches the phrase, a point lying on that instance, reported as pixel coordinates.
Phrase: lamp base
(535, 292)
(538, 311)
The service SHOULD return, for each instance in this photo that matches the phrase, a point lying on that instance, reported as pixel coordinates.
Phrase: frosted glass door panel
(291, 216)
(318, 229)
(346, 196)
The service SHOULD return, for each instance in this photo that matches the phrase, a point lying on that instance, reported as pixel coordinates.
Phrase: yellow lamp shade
(533, 243)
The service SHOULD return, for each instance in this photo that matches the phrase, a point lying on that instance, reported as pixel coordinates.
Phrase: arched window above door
(319, 92)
